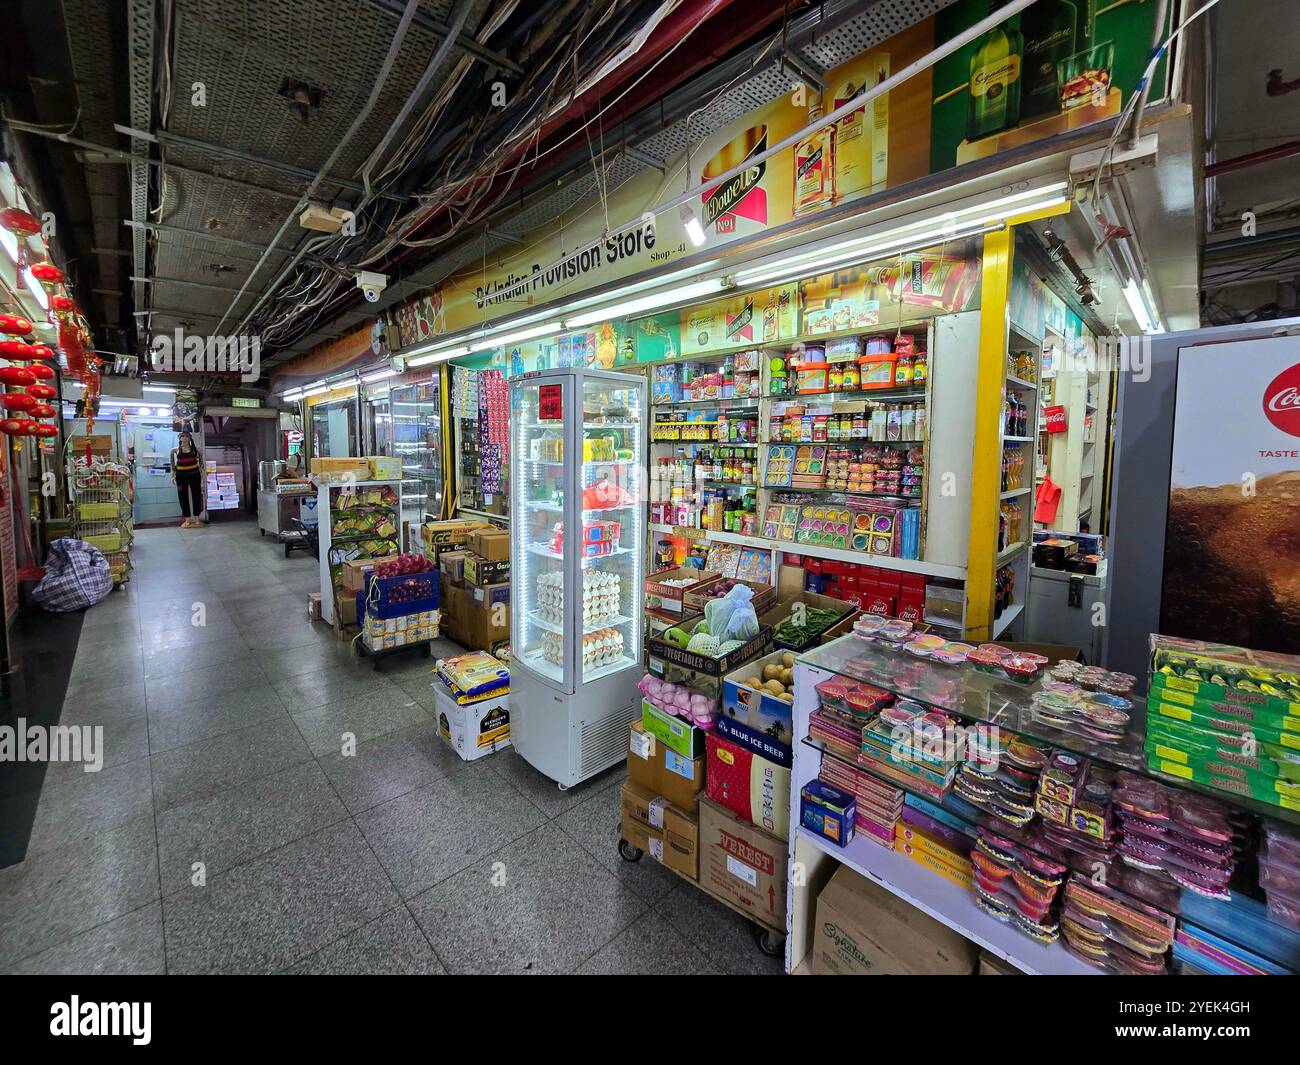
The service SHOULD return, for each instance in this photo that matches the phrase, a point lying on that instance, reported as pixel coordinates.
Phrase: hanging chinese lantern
(12, 426)
(19, 377)
(47, 274)
(14, 350)
(63, 305)
(41, 392)
(41, 351)
(42, 410)
(19, 222)
(18, 401)
(15, 324)
(45, 431)
(40, 371)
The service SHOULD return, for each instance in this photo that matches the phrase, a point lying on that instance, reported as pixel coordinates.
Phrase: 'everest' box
(744, 864)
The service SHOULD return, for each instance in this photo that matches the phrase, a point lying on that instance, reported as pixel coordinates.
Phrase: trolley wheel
(287, 549)
(261, 532)
(628, 852)
(770, 943)
(428, 650)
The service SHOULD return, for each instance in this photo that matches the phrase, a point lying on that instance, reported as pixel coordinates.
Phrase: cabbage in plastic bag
(732, 616)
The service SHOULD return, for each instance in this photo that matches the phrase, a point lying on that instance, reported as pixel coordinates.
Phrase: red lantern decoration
(12, 426)
(15, 324)
(45, 431)
(63, 304)
(47, 274)
(19, 222)
(19, 377)
(40, 371)
(43, 410)
(41, 351)
(41, 392)
(18, 401)
(14, 350)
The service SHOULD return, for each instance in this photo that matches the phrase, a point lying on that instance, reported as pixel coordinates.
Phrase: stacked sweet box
(1227, 717)
(1279, 872)
(1017, 885)
(1113, 930)
(878, 803)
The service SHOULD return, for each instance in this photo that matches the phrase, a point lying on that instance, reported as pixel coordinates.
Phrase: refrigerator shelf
(555, 556)
(612, 621)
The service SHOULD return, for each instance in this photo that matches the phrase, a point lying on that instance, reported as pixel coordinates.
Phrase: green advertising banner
(1054, 67)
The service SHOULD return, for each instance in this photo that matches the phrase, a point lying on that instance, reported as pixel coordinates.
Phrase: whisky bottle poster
(1057, 66)
(1232, 542)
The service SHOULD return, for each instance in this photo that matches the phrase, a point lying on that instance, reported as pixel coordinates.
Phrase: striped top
(186, 461)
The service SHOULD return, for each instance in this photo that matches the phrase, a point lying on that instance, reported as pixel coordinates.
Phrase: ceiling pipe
(321, 175)
(1243, 162)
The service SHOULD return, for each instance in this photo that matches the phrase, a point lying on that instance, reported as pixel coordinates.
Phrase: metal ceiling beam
(140, 48)
(179, 141)
(170, 312)
(160, 227)
(465, 41)
(189, 284)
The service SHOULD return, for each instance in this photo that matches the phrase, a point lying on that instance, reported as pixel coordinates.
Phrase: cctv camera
(371, 284)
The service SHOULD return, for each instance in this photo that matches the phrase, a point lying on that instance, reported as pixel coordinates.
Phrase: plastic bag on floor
(76, 576)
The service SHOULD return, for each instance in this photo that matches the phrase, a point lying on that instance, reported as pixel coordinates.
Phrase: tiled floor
(228, 833)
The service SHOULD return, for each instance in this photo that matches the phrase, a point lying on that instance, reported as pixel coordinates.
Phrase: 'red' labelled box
(743, 864)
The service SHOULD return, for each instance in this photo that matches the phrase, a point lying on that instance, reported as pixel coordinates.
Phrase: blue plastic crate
(375, 601)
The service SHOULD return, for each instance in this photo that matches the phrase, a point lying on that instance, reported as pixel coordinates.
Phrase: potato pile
(777, 679)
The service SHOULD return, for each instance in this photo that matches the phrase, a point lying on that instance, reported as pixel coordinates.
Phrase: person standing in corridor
(187, 475)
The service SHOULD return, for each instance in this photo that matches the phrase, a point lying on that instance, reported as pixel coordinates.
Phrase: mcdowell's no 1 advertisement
(1232, 546)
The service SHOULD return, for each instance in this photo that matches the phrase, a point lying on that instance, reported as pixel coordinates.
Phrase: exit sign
(245, 401)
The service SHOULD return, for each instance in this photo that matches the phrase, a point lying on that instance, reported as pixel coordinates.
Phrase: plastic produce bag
(732, 617)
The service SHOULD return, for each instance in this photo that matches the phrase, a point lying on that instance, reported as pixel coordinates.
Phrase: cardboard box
(487, 625)
(355, 570)
(478, 570)
(864, 930)
(694, 599)
(658, 768)
(763, 712)
(669, 598)
(99, 444)
(677, 735)
(491, 544)
(928, 850)
(442, 535)
(744, 864)
(337, 469)
(667, 833)
(451, 567)
(476, 729)
(345, 609)
(313, 606)
(785, 607)
(660, 647)
(384, 467)
(489, 595)
(454, 606)
(992, 965)
(748, 785)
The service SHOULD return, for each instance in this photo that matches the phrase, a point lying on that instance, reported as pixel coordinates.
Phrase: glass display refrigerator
(416, 428)
(577, 533)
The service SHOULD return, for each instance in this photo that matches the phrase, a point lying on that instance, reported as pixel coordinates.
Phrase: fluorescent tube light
(378, 375)
(506, 339)
(37, 289)
(162, 389)
(1147, 321)
(10, 243)
(691, 221)
(681, 294)
(313, 390)
(162, 412)
(438, 356)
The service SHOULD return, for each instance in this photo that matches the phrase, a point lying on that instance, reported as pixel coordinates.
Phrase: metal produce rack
(101, 512)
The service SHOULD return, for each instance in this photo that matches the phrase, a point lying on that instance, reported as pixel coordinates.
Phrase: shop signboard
(747, 320)
(1232, 551)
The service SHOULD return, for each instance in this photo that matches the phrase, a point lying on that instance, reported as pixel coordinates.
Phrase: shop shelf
(1010, 551)
(883, 395)
(1011, 493)
(952, 905)
(1007, 619)
(968, 694)
(1016, 439)
(1020, 384)
(589, 675)
(904, 565)
(555, 556)
(541, 665)
(973, 818)
(554, 626)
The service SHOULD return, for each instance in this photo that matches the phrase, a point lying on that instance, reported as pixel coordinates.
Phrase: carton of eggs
(601, 648)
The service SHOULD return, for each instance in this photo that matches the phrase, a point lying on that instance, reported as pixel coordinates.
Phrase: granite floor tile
(392, 945)
(340, 684)
(650, 947)
(721, 934)
(279, 909)
(362, 717)
(389, 766)
(425, 836)
(540, 905)
(243, 822)
(130, 945)
(201, 770)
(174, 725)
(50, 897)
(204, 684)
(232, 653)
(543, 791)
